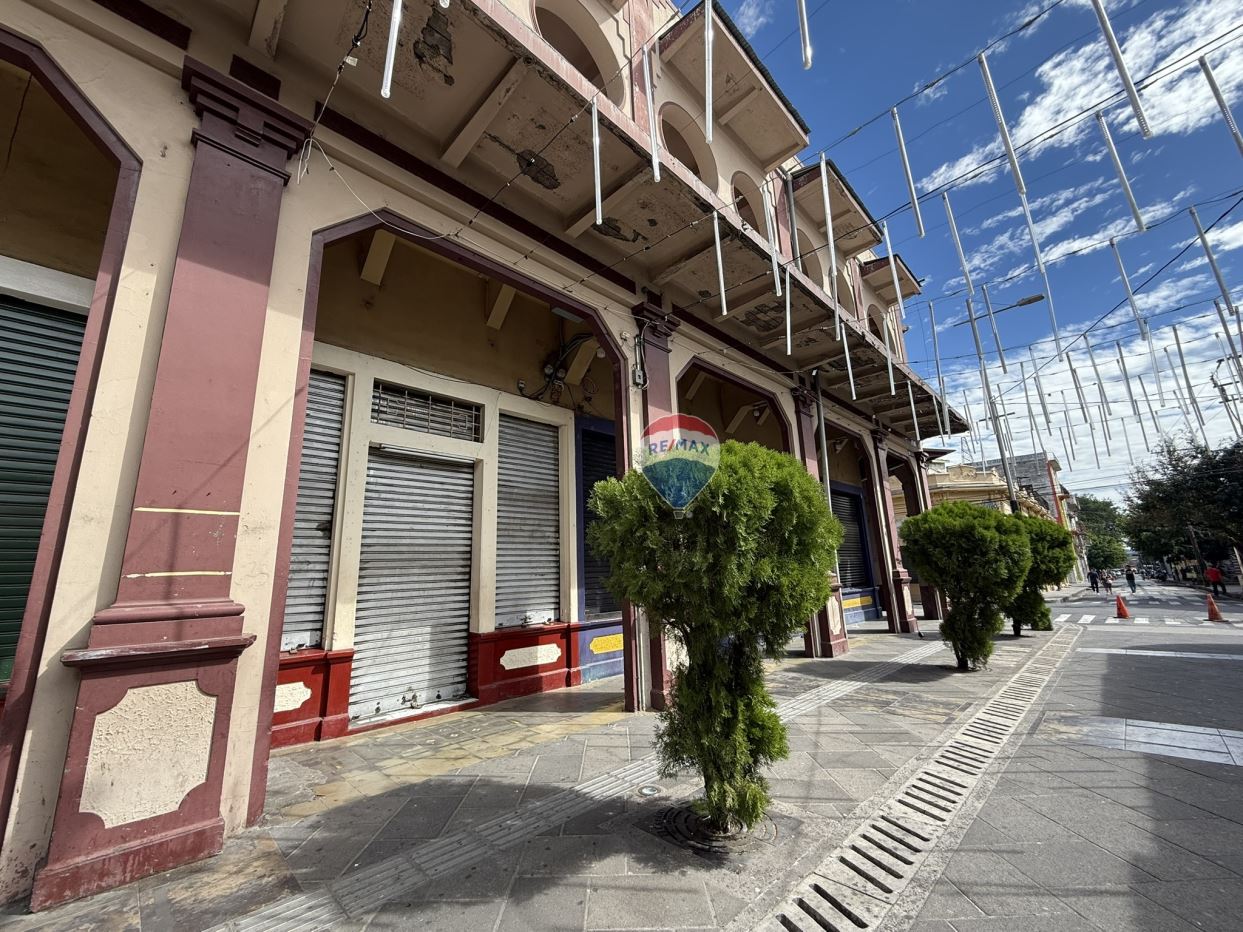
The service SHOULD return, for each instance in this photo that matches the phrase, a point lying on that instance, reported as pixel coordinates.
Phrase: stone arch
(876, 322)
(684, 140)
(749, 202)
(845, 296)
(571, 29)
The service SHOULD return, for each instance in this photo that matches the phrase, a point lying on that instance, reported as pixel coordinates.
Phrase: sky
(871, 56)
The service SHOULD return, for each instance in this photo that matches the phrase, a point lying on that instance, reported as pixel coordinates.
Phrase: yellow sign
(856, 602)
(606, 644)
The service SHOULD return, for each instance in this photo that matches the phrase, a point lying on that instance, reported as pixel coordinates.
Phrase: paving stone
(483, 879)
(536, 905)
(412, 913)
(1118, 907)
(1209, 904)
(946, 901)
(573, 855)
(864, 759)
(653, 901)
(1070, 862)
(997, 887)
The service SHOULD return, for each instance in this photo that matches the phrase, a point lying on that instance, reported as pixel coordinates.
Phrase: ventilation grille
(398, 406)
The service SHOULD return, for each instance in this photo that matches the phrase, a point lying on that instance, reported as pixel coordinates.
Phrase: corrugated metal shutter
(852, 565)
(39, 349)
(528, 523)
(414, 576)
(598, 462)
(311, 557)
(399, 406)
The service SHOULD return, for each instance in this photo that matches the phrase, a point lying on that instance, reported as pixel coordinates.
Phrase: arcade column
(144, 768)
(903, 616)
(826, 632)
(659, 399)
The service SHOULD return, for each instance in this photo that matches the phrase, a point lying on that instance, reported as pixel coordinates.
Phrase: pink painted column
(902, 617)
(659, 399)
(144, 769)
(829, 622)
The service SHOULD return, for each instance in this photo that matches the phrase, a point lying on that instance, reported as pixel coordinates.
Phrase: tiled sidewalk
(380, 801)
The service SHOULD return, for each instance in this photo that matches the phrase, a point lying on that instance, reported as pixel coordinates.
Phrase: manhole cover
(682, 826)
(649, 790)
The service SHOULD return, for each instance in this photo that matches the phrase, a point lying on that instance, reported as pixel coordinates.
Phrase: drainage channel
(353, 896)
(857, 885)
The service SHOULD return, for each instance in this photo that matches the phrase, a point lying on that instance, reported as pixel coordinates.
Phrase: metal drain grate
(855, 887)
(368, 888)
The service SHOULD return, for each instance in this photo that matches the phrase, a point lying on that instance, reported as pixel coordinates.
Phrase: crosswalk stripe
(1141, 621)
(1111, 621)
(1171, 621)
(1086, 619)
(1061, 618)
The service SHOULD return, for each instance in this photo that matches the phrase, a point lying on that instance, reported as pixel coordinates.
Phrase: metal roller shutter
(311, 557)
(598, 462)
(39, 349)
(414, 576)
(852, 568)
(528, 523)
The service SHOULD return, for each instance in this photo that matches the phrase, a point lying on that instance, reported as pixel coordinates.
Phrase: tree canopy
(1105, 553)
(735, 578)
(1053, 557)
(979, 558)
(1188, 486)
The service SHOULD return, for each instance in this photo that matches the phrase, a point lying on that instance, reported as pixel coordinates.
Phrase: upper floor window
(570, 28)
(684, 140)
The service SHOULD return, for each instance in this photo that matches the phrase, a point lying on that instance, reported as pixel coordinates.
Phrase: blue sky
(868, 56)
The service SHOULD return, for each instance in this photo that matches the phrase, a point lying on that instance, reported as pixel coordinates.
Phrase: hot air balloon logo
(679, 456)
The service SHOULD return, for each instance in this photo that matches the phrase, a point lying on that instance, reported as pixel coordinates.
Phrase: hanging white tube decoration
(1234, 353)
(850, 369)
(962, 256)
(1100, 410)
(1120, 63)
(1156, 421)
(1044, 406)
(976, 444)
(906, 168)
(1126, 438)
(1122, 178)
(789, 328)
(390, 53)
(897, 290)
(1178, 392)
(1222, 104)
(828, 227)
(720, 264)
(770, 221)
(595, 158)
(1031, 412)
(1096, 452)
(1212, 262)
(992, 320)
(804, 30)
(1144, 330)
(936, 353)
(1191, 392)
(1066, 416)
(910, 391)
(1067, 450)
(1074, 376)
(651, 114)
(1126, 381)
(995, 103)
(1100, 383)
(709, 36)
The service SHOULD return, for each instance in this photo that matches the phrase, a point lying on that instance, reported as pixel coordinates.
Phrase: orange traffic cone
(1122, 609)
(1214, 613)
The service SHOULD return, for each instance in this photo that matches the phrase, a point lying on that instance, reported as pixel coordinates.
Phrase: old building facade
(305, 387)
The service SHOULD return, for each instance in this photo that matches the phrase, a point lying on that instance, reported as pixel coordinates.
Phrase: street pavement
(1105, 793)
(1152, 604)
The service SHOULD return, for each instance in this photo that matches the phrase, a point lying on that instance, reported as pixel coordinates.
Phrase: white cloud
(1178, 101)
(753, 15)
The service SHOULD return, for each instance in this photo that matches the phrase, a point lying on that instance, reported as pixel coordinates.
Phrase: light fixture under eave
(390, 52)
(567, 315)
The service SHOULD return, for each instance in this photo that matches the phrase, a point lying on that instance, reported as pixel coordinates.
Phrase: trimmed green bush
(732, 581)
(979, 558)
(1053, 556)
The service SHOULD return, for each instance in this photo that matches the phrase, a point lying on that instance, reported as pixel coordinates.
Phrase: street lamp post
(991, 409)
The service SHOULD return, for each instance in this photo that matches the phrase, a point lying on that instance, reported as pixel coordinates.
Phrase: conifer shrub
(732, 581)
(1053, 556)
(979, 558)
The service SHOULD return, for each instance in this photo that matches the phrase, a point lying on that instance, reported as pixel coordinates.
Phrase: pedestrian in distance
(1130, 578)
(1214, 577)
(1094, 580)
(1108, 580)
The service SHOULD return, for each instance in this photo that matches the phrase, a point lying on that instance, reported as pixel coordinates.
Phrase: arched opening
(844, 295)
(876, 322)
(570, 29)
(749, 202)
(684, 140)
(735, 409)
(68, 183)
(810, 258)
